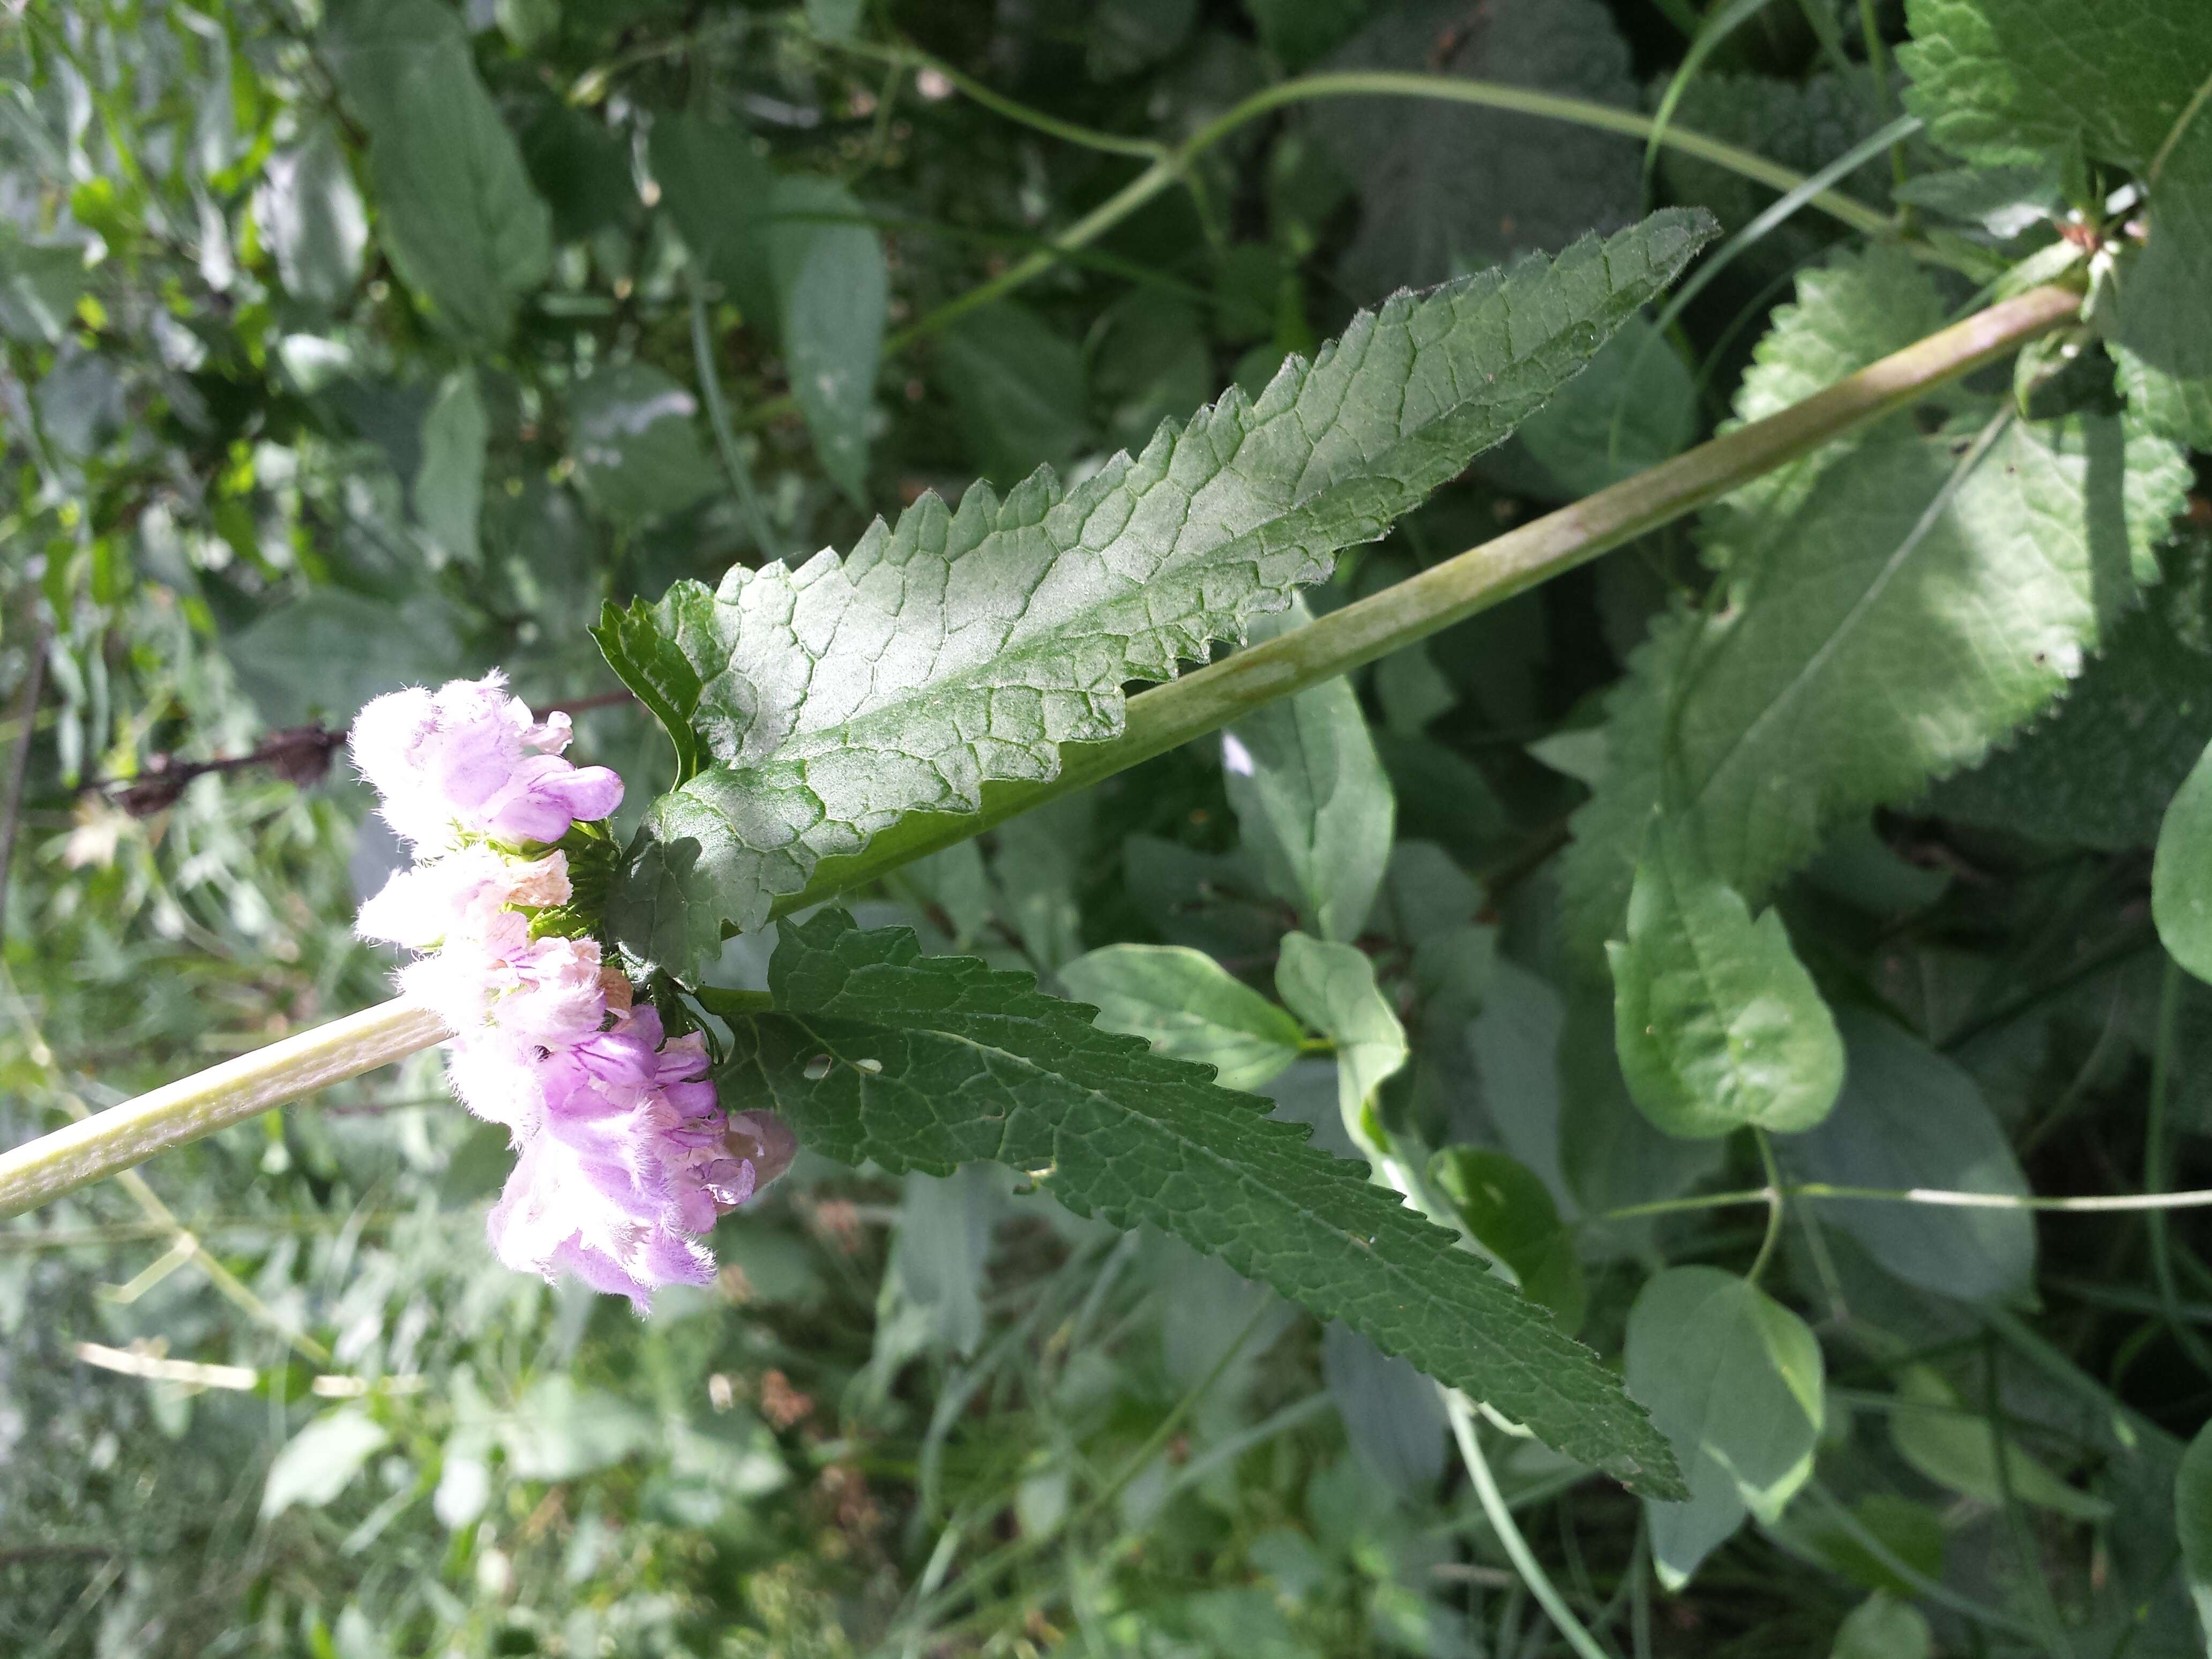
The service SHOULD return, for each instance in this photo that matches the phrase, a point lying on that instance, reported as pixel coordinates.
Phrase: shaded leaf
(1735, 1381)
(457, 215)
(2192, 1517)
(2181, 874)
(313, 216)
(1509, 1211)
(1332, 988)
(635, 436)
(448, 490)
(1445, 188)
(1880, 1628)
(1017, 387)
(720, 193)
(831, 289)
(1907, 1118)
(1955, 1447)
(321, 1460)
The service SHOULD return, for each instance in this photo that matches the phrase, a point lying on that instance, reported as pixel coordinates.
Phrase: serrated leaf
(1918, 605)
(831, 286)
(1716, 1022)
(1185, 1005)
(2019, 79)
(1955, 1446)
(877, 1053)
(962, 648)
(1735, 1381)
(1314, 810)
(2181, 873)
(1803, 123)
(1908, 1118)
(2169, 405)
(458, 216)
(2099, 770)
(1445, 188)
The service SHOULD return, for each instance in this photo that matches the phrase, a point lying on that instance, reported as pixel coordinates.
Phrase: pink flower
(459, 894)
(468, 758)
(493, 981)
(627, 1157)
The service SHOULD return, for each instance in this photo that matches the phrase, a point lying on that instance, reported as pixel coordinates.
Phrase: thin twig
(19, 763)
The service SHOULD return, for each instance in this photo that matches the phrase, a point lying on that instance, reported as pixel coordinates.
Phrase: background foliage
(351, 347)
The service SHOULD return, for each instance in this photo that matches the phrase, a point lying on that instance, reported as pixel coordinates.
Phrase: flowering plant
(626, 1155)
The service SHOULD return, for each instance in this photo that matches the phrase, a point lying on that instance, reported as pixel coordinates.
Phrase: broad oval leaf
(875, 1052)
(321, 1460)
(1717, 1022)
(1956, 1446)
(1735, 1381)
(1511, 1211)
(2192, 1519)
(1186, 1005)
(961, 647)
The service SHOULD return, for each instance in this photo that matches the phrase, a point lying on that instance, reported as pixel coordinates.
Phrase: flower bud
(763, 1140)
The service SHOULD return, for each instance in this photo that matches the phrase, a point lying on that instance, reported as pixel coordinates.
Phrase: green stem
(108, 1143)
(1508, 1534)
(1777, 1202)
(1942, 1198)
(1160, 719)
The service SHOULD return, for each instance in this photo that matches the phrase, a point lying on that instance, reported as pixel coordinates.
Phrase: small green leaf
(1880, 1628)
(448, 490)
(962, 648)
(1509, 1211)
(1735, 1380)
(831, 286)
(321, 1460)
(647, 656)
(635, 436)
(2181, 873)
(877, 1052)
(1907, 1118)
(1332, 988)
(1957, 1447)
(1717, 1023)
(1186, 1005)
(2192, 1520)
(457, 215)
(1313, 808)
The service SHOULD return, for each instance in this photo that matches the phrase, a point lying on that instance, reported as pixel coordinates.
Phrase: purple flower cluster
(626, 1153)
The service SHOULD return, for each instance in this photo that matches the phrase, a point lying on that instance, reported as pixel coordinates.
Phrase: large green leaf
(448, 489)
(1716, 1022)
(877, 1053)
(635, 435)
(2161, 312)
(965, 646)
(720, 193)
(1954, 1445)
(1313, 808)
(313, 219)
(1930, 594)
(1445, 188)
(2020, 80)
(460, 219)
(1735, 1380)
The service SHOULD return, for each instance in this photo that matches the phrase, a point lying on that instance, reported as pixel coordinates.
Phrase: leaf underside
(879, 1053)
(967, 646)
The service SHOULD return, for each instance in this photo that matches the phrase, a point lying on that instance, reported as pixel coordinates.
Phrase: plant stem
(2094, 1204)
(107, 1143)
(1501, 1522)
(1169, 715)
(1159, 719)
